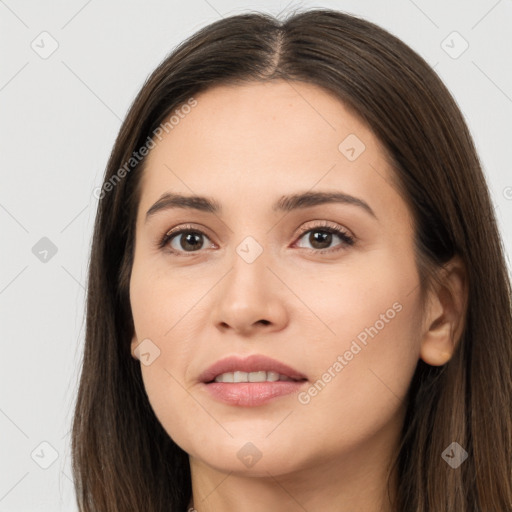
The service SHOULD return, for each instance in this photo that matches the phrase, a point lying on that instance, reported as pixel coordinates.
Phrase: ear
(133, 346)
(445, 314)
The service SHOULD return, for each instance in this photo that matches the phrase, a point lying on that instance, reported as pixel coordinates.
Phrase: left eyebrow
(308, 199)
(283, 204)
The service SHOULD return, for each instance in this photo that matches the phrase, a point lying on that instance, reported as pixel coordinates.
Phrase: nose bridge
(249, 294)
(248, 279)
(250, 250)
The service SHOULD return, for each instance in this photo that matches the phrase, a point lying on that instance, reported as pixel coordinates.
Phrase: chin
(250, 456)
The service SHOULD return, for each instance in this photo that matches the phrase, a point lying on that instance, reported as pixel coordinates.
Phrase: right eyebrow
(171, 200)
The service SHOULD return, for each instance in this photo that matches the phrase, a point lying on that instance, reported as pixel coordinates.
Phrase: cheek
(161, 301)
(372, 296)
(363, 365)
(163, 312)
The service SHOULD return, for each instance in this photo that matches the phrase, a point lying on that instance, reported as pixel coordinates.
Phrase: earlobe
(435, 355)
(445, 314)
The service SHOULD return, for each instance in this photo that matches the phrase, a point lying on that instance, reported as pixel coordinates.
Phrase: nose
(250, 298)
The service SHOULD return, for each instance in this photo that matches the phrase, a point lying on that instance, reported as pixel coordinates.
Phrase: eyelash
(347, 240)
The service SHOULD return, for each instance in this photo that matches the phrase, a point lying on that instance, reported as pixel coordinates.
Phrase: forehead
(259, 139)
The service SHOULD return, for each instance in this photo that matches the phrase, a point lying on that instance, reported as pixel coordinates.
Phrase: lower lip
(251, 394)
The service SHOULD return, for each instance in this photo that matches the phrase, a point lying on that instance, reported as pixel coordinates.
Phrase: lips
(251, 364)
(250, 381)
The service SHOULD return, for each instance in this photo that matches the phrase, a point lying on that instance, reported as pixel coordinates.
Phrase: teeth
(257, 377)
(240, 377)
(272, 376)
(260, 376)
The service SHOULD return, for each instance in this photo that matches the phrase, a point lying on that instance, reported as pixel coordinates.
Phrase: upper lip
(253, 363)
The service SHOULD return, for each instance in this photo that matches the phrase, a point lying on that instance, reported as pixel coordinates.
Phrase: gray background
(60, 114)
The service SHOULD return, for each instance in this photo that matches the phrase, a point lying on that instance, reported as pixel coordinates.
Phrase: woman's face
(304, 271)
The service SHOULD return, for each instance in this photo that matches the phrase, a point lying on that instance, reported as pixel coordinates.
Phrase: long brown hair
(122, 457)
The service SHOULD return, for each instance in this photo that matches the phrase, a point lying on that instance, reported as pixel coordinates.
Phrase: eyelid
(323, 224)
(185, 227)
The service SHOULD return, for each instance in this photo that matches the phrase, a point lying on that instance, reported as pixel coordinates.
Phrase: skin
(246, 146)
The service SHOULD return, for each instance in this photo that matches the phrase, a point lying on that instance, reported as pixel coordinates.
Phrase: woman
(298, 298)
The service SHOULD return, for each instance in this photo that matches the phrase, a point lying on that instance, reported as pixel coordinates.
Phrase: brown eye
(320, 238)
(189, 241)
(184, 240)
